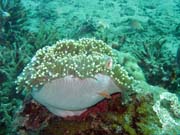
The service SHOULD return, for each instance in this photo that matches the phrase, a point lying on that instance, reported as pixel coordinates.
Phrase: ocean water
(89, 67)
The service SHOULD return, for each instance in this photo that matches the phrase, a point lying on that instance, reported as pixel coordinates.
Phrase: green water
(143, 34)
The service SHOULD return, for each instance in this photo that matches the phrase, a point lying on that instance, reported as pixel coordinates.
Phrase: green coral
(12, 28)
(165, 105)
(130, 63)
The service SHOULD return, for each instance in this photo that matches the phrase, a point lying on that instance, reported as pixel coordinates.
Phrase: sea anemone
(70, 76)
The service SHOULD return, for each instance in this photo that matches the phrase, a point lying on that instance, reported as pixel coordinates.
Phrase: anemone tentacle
(83, 58)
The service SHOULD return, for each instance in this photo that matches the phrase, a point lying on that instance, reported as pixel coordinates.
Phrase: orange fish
(105, 94)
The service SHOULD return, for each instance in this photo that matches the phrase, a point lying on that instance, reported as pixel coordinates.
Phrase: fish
(109, 63)
(105, 94)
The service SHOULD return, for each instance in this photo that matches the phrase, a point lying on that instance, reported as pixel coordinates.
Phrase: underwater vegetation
(45, 35)
(158, 64)
(88, 27)
(45, 13)
(178, 57)
(139, 109)
(141, 35)
(12, 26)
(16, 49)
(156, 60)
(12, 22)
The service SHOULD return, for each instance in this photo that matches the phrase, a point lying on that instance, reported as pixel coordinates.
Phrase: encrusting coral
(168, 111)
(70, 76)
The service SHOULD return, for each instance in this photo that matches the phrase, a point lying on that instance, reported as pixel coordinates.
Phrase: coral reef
(12, 60)
(16, 49)
(86, 70)
(46, 35)
(13, 26)
(87, 28)
(166, 106)
(151, 111)
(45, 13)
(157, 62)
(145, 33)
(108, 117)
(168, 110)
(130, 63)
(90, 28)
(10, 66)
(148, 111)
(178, 57)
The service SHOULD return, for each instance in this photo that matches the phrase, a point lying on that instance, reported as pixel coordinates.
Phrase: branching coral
(12, 27)
(10, 63)
(81, 69)
(44, 36)
(88, 27)
(157, 62)
(12, 22)
(14, 55)
(46, 12)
